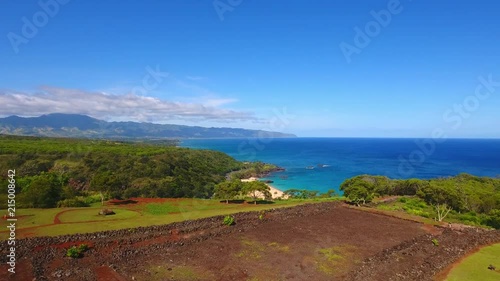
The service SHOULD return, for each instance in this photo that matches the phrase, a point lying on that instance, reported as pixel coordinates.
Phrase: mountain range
(83, 126)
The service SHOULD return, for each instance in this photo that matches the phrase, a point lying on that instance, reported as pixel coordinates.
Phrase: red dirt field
(324, 241)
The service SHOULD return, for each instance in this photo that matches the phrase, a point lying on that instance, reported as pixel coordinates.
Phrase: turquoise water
(324, 163)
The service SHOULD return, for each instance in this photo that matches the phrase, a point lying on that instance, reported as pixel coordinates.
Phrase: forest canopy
(52, 172)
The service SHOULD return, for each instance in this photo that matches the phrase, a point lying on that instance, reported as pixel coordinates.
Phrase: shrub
(435, 242)
(388, 207)
(77, 252)
(469, 218)
(493, 219)
(83, 247)
(261, 215)
(93, 198)
(416, 212)
(74, 202)
(131, 192)
(73, 252)
(228, 220)
(416, 203)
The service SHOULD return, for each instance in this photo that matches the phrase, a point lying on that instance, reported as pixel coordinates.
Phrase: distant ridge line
(79, 125)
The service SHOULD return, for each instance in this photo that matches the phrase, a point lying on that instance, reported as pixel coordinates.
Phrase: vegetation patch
(411, 205)
(253, 169)
(262, 215)
(73, 202)
(332, 261)
(228, 220)
(435, 242)
(77, 252)
(160, 209)
(60, 172)
(464, 198)
(255, 250)
(252, 250)
(279, 247)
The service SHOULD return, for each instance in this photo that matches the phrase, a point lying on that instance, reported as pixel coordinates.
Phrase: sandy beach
(275, 193)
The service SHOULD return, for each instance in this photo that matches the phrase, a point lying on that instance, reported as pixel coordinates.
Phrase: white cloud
(216, 102)
(116, 107)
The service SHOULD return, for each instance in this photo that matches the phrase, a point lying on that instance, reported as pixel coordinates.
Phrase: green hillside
(65, 172)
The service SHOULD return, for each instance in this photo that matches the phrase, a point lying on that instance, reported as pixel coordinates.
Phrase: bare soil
(325, 241)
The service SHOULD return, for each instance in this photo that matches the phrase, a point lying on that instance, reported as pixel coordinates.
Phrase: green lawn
(40, 222)
(92, 214)
(475, 267)
(34, 217)
(161, 209)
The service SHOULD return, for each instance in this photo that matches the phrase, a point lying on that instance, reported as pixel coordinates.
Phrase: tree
(358, 191)
(35, 167)
(442, 210)
(329, 193)
(407, 187)
(360, 194)
(292, 193)
(303, 193)
(441, 196)
(493, 218)
(43, 192)
(108, 182)
(257, 189)
(228, 190)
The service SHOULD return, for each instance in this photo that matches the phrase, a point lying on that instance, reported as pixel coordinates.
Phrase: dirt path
(26, 232)
(56, 217)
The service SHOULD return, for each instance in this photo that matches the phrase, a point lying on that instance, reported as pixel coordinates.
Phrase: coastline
(275, 192)
(374, 156)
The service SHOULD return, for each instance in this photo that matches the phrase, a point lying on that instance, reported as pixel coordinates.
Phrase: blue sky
(259, 64)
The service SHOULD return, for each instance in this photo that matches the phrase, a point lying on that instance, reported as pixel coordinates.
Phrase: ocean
(324, 163)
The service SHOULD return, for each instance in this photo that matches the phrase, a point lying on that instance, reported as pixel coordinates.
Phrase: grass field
(60, 221)
(475, 267)
(92, 214)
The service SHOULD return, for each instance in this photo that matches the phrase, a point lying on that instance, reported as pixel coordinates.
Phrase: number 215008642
(11, 203)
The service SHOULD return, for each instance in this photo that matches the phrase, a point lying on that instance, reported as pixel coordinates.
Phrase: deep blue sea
(324, 163)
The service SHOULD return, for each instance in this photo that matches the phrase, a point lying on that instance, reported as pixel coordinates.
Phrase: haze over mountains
(75, 125)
